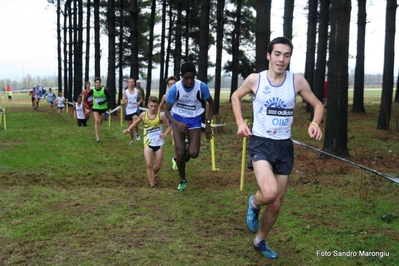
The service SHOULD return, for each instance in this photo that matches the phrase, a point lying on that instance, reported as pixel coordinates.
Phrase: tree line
(239, 28)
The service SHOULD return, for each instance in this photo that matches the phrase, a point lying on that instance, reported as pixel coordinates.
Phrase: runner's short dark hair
(188, 67)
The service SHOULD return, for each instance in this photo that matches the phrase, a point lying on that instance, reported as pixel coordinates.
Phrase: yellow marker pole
(109, 117)
(74, 113)
(121, 114)
(213, 151)
(243, 158)
(1, 115)
(5, 126)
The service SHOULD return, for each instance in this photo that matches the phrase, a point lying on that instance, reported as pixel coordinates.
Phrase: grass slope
(66, 200)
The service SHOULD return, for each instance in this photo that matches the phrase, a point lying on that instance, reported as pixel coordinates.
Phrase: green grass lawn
(67, 200)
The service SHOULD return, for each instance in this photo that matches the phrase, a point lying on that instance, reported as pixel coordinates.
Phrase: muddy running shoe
(263, 248)
(98, 140)
(131, 142)
(252, 217)
(174, 164)
(137, 136)
(182, 186)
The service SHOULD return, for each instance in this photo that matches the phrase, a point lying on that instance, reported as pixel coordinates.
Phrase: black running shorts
(279, 153)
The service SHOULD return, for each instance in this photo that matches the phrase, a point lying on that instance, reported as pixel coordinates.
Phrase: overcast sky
(28, 42)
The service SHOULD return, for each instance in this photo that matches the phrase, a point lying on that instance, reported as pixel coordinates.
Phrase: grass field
(66, 200)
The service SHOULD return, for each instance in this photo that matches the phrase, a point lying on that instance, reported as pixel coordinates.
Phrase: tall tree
(162, 84)
(171, 15)
(236, 49)
(120, 52)
(111, 54)
(68, 91)
(87, 54)
(387, 76)
(397, 90)
(311, 43)
(134, 61)
(244, 45)
(263, 10)
(187, 31)
(204, 41)
(288, 19)
(177, 55)
(59, 57)
(322, 48)
(78, 49)
(150, 51)
(65, 50)
(336, 130)
(358, 91)
(219, 52)
(97, 45)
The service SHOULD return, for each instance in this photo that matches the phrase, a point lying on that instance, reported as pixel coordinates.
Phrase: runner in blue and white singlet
(187, 103)
(270, 147)
(274, 107)
(184, 108)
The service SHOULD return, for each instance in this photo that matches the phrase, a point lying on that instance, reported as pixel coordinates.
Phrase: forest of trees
(188, 28)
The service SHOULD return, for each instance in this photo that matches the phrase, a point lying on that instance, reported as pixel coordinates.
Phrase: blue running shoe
(252, 217)
(263, 248)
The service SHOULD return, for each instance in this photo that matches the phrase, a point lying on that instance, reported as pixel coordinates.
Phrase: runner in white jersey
(37, 95)
(274, 107)
(60, 102)
(78, 108)
(50, 95)
(270, 147)
(185, 99)
(132, 99)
